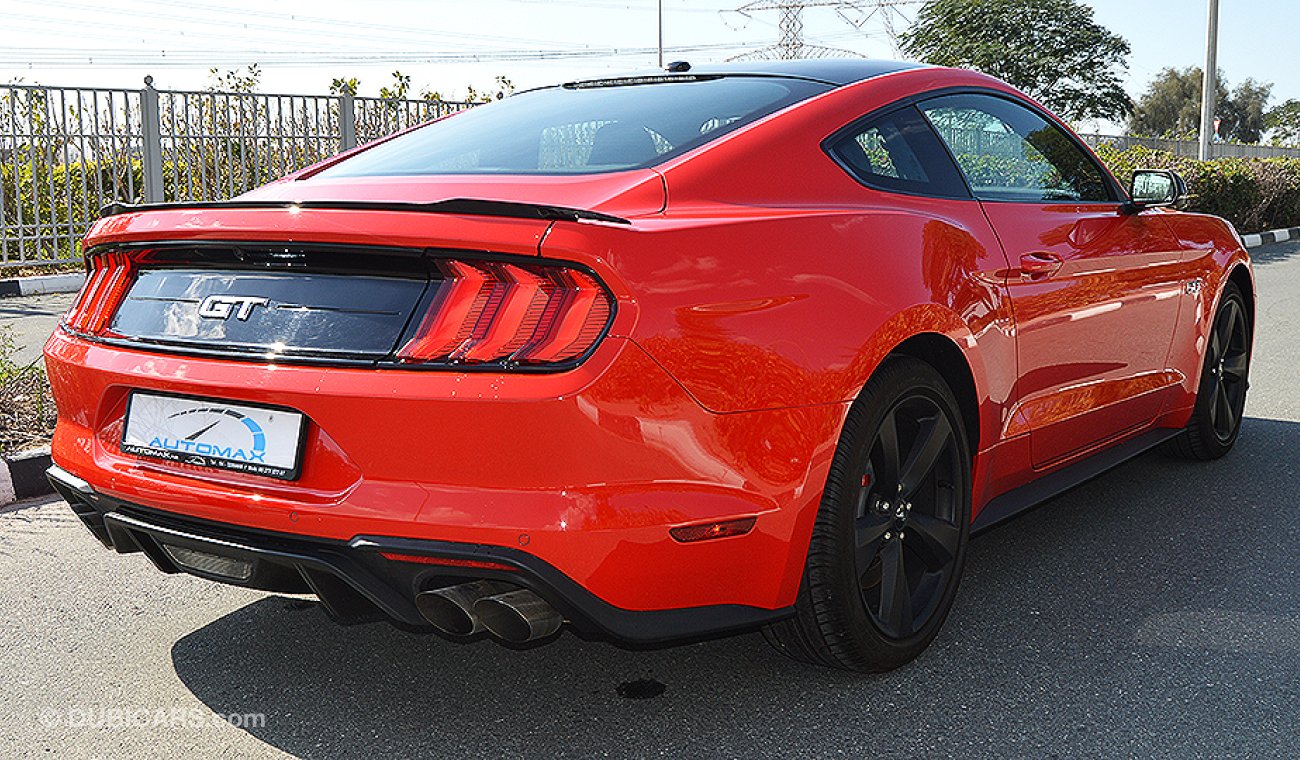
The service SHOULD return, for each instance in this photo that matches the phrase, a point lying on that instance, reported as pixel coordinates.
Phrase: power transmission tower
(791, 45)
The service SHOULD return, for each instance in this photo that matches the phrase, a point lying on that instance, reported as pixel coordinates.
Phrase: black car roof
(837, 71)
(833, 71)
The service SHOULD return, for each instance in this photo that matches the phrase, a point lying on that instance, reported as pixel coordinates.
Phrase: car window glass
(581, 129)
(564, 146)
(1010, 153)
(899, 151)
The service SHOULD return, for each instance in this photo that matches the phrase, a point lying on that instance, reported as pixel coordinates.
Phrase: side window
(899, 152)
(1010, 153)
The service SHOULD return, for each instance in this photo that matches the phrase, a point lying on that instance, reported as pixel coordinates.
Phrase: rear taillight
(509, 313)
(107, 282)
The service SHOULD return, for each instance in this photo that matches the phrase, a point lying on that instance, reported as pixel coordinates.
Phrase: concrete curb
(1272, 236)
(22, 475)
(42, 284)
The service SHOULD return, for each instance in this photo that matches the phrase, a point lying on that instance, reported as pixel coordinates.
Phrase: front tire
(890, 539)
(1221, 397)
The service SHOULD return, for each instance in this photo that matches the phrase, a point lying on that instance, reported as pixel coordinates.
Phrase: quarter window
(1010, 153)
(899, 151)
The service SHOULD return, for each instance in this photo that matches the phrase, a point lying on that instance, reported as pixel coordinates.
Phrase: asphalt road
(30, 320)
(1152, 613)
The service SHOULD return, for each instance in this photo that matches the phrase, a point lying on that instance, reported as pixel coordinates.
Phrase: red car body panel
(758, 286)
(603, 521)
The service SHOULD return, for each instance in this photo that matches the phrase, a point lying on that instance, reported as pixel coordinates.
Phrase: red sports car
(655, 356)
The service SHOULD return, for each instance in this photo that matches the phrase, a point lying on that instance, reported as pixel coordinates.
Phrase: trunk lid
(315, 283)
(626, 194)
(236, 309)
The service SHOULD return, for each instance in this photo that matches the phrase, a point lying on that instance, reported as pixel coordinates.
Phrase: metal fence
(65, 152)
(1189, 148)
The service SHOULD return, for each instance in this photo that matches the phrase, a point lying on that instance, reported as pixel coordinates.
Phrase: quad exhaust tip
(518, 616)
(451, 609)
(506, 611)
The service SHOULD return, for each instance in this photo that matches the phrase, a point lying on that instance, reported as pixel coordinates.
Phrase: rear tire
(890, 539)
(1221, 397)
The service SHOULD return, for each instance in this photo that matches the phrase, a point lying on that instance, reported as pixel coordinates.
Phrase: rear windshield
(580, 129)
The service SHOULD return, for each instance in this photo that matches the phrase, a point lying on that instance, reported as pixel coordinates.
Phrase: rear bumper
(582, 474)
(356, 583)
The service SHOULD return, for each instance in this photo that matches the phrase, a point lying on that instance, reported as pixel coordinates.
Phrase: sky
(447, 45)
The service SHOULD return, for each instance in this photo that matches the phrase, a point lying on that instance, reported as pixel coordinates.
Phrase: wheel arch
(1240, 276)
(938, 338)
(940, 352)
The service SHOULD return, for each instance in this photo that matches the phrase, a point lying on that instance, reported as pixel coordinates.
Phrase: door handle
(1039, 264)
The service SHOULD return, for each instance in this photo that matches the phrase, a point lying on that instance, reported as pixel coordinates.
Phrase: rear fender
(754, 309)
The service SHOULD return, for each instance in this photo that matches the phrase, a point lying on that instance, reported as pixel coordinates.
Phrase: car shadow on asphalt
(1275, 253)
(1151, 611)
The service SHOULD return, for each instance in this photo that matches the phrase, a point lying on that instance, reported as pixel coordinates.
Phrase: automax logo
(192, 445)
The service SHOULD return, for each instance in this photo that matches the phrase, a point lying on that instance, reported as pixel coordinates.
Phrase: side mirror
(1155, 187)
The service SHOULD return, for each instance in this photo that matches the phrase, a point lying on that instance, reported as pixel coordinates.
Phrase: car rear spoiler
(468, 206)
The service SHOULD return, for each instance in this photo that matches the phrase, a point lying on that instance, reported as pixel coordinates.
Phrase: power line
(614, 5)
(210, 49)
(349, 26)
(62, 58)
(791, 44)
(189, 25)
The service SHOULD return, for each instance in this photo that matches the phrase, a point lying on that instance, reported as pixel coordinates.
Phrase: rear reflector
(477, 564)
(706, 531)
(524, 314)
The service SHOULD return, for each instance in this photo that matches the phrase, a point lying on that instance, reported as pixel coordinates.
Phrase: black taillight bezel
(398, 261)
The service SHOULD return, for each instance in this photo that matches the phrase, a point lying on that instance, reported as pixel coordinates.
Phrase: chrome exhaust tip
(518, 616)
(451, 609)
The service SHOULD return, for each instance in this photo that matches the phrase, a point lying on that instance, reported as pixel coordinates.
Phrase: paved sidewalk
(32, 319)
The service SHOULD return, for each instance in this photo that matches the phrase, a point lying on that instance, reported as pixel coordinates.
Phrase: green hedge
(1255, 194)
(51, 204)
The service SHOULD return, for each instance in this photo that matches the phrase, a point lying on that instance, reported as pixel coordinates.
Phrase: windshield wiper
(467, 206)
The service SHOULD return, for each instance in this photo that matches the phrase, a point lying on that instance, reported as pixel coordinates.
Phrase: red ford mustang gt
(656, 356)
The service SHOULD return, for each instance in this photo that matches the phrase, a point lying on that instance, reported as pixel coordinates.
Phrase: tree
(341, 86)
(503, 87)
(236, 80)
(1243, 113)
(1050, 49)
(401, 85)
(1283, 123)
(400, 89)
(1171, 107)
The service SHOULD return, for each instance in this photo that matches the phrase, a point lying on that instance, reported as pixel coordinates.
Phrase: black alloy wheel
(890, 537)
(1228, 362)
(1221, 396)
(907, 526)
